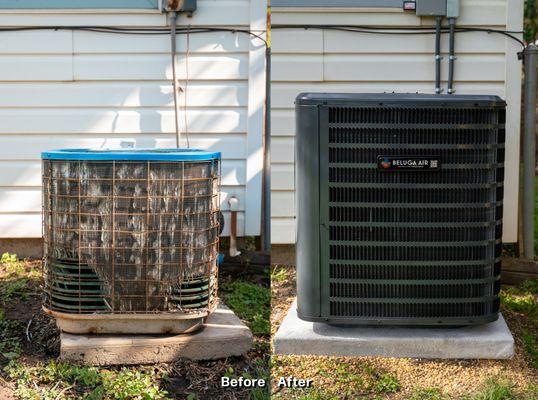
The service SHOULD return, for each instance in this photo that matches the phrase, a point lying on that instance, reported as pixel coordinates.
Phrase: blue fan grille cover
(139, 154)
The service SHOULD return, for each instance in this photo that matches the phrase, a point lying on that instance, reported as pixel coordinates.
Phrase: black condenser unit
(399, 208)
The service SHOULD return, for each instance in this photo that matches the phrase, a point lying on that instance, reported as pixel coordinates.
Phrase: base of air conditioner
(488, 341)
(143, 324)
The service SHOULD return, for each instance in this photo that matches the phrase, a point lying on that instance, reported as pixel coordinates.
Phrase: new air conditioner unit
(130, 239)
(399, 208)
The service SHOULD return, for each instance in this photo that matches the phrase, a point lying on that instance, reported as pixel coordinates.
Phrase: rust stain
(173, 4)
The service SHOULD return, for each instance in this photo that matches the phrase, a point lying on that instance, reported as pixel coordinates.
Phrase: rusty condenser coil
(130, 239)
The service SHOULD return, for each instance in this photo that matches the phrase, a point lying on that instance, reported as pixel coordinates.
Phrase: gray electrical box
(431, 7)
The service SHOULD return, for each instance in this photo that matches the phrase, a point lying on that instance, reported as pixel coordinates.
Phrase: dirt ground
(35, 338)
(366, 377)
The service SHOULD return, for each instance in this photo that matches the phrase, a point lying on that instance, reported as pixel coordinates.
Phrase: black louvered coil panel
(414, 245)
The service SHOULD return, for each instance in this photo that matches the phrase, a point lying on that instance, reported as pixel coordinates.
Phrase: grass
(536, 217)
(279, 274)
(251, 303)
(386, 383)
(15, 276)
(530, 341)
(407, 379)
(334, 378)
(427, 394)
(57, 381)
(32, 374)
(495, 390)
(523, 302)
(10, 342)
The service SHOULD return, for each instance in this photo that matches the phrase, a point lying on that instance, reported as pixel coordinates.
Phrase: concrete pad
(223, 335)
(297, 337)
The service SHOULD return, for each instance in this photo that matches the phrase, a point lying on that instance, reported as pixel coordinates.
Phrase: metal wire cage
(130, 231)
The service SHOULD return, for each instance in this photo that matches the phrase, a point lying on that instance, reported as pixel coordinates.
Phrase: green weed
(8, 258)
(530, 342)
(64, 381)
(251, 302)
(530, 286)
(10, 343)
(14, 288)
(15, 276)
(427, 394)
(129, 384)
(386, 384)
(316, 395)
(495, 390)
(522, 303)
(279, 274)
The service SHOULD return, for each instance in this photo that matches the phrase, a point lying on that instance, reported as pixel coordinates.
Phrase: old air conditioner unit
(130, 239)
(399, 208)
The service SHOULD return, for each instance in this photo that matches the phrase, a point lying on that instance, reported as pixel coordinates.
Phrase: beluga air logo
(385, 163)
(408, 163)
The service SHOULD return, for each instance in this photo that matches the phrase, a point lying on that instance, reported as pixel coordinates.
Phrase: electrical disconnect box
(431, 7)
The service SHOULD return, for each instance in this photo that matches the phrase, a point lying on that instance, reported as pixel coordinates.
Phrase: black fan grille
(414, 244)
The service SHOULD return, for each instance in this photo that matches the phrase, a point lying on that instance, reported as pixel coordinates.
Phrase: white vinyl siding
(78, 4)
(65, 89)
(332, 61)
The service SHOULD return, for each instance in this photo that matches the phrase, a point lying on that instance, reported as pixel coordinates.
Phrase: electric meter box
(431, 7)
